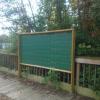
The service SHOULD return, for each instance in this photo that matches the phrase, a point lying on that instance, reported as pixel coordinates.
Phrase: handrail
(88, 60)
(10, 54)
(9, 60)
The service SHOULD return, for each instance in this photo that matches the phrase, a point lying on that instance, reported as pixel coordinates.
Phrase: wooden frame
(30, 65)
(73, 60)
(72, 53)
(19, 67)
(46, 32)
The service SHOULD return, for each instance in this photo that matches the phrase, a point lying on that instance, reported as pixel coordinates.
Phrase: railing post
(73, 61)
(19, 67)
(77, 74)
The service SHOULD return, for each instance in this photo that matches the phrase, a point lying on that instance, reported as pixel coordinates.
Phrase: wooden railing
(43, 72)
(87, 72)
(87, 75)
(9, 61)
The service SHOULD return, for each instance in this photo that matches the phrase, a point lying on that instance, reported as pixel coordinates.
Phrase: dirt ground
(4, 97)
(12, 88)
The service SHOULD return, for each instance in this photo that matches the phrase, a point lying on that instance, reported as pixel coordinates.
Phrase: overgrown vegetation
(52, 79)
(90, 77)
(87, 45)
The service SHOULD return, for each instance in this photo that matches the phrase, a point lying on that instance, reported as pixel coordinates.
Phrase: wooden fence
(9, 61)
(88, 76)
(87, 73)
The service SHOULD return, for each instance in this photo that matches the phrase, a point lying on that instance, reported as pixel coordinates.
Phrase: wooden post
(19, 68)
(77, 74)
(73, 62)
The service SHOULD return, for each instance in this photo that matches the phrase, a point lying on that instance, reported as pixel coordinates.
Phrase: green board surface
(52, 50)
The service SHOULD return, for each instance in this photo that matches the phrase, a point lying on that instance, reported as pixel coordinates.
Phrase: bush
(87, 45)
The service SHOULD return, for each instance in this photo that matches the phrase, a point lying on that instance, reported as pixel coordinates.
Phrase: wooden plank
(86, 92)
(88, 61)
(46, 32)
(29, 65)
(77, 74)
(72, 61)
(9, 54)
(19, 68)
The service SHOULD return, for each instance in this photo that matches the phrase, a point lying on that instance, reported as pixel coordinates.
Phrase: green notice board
(51, 50)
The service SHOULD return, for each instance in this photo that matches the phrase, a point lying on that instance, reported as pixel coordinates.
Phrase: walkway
(23, 90)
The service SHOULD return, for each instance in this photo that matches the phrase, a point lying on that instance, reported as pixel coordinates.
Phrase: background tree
(56, 13)
(89, 16)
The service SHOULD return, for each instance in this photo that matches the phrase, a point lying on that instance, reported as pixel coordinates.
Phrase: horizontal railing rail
(88, 60)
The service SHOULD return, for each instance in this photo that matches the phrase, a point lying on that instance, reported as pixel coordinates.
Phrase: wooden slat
(88, 61)
(46, 32)
(9, 54)
(29, 65)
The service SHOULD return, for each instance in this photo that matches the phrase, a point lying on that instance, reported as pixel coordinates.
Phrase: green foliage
(10, 43)
(56, 13)
(25, 72)
(3, 39)
(13, 41)
(97, 85)
(89, 16)
(95, 13)
(52, 79)
(87, 45)
(90, 77)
